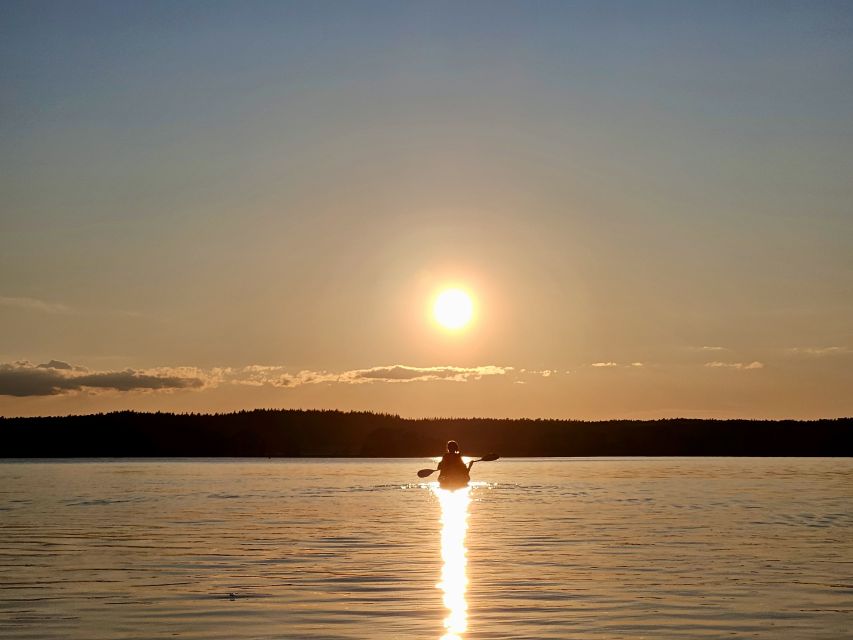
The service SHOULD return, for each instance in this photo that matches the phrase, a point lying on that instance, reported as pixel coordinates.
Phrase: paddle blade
(490, 457)
(423, 473)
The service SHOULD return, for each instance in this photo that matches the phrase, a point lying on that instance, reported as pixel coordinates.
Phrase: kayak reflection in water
(453, 472)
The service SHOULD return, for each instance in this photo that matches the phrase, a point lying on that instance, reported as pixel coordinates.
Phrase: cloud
(818, 352)
(545, 373)
(32, 304)
(55, 377)
(130, 379)
(258, 375)
(55, 364)
(613, 365)
(742, 366)
(25, 379)
(705, 348)
(403, 373)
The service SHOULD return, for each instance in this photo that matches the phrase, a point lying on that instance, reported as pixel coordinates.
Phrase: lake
(537, 548)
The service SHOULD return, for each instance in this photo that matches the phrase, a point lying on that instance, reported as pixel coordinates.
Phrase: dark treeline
(292, 433)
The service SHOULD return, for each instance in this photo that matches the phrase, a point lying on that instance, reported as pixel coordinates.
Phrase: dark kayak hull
(451, 484)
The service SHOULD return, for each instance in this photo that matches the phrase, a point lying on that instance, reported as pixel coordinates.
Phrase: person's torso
(452, 463)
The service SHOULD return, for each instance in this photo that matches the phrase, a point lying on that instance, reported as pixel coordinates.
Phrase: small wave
(100, 502)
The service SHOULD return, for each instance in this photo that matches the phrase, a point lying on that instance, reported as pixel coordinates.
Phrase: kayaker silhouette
(452, 469)
(453, 472)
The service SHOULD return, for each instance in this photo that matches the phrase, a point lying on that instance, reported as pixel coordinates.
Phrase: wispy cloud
(818, 352)
(403, 373)
(612, 365)
(741, 366)
(58, 308)
(33, 304)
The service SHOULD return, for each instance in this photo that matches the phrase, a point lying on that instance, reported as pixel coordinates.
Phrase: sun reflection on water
(454, 516)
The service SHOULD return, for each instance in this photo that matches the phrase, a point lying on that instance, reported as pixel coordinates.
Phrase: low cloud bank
(55, 377)
(24, 378)
(256, 375)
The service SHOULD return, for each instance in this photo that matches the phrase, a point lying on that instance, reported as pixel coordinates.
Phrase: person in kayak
(451, 468)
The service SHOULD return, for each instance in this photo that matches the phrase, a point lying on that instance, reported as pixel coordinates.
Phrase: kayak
(454, 481)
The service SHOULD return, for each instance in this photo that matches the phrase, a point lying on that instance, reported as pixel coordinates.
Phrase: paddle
(489, 457)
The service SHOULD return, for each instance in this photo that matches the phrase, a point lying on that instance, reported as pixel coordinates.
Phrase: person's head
(452, 447)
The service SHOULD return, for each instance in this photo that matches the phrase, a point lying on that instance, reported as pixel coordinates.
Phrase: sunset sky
(216, 206)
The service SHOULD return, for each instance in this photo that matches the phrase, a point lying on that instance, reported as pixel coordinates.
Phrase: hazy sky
(212, 206)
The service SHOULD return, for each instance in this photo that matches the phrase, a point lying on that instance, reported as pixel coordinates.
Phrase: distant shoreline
(336, 434)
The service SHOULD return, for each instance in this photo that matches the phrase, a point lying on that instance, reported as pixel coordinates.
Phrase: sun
(453, 309)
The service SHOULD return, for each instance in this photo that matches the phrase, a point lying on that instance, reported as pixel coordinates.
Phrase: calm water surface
(630, 548)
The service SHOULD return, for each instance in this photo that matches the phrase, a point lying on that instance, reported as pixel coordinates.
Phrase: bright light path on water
(454, 517)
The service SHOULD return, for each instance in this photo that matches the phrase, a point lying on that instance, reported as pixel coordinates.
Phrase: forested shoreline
(304, 433)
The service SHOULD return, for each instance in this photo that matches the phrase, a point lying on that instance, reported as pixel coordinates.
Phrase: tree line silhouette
(298, 433)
